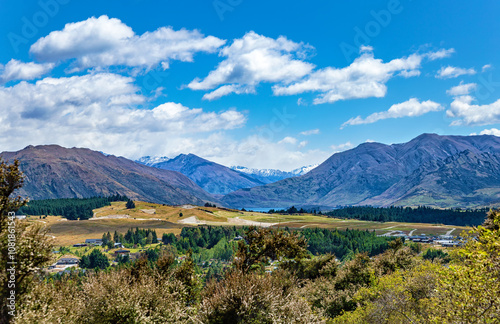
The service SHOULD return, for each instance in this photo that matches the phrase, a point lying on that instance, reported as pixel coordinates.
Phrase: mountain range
(432, 170)
(442, 171)
(53, 171)
(212, 177)
(273, 175)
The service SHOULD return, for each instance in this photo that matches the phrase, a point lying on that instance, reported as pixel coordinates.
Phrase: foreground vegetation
(399, 285)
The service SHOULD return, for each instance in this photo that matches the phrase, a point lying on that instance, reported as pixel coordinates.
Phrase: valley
(167, 219)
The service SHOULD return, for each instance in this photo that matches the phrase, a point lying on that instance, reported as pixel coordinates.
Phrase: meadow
(171, 219)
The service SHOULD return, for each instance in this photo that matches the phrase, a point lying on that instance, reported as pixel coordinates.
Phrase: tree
(186, 273)
(262, 245)
(467, 290)
(130, 204)
(96, 259)
(116, 237)
(104, 239)
(28, 246)
(110, 245)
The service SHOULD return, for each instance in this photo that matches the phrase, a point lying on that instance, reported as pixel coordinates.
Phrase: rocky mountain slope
(56, 172)
(212, 177)
(443, 171)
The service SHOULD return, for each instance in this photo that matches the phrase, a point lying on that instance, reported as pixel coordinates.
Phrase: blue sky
(252, 83)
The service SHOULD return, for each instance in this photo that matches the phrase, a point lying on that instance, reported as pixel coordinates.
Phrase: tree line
(320, 241)
(422, 214)
(70, 208)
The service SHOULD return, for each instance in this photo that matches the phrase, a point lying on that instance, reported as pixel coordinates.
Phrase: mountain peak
(430, 170)
(53, 171)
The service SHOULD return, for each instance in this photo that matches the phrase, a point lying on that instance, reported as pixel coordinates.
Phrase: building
(94, 241)
(122, 252)
(67, 261)
(80, 245)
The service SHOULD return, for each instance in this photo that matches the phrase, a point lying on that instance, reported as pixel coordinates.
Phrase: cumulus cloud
(341, 147)
(410, 108)
(100, 111)
(251, 60)
(17, 70)
(310, 132)
(462, 89)
(492, 131)
(440, 54)
(103, 42)
(365, 77)
(288, 140)
(303, 144)
(471, 114)
(486, 67)
(254, 152)
(449, 72)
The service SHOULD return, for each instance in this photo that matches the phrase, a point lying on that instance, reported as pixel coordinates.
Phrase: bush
(253, 298)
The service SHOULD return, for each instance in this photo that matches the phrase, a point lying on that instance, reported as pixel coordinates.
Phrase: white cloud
(365, 77)
(310, 132)
(470, 114)
(17, 70)
(461, 89)
(253, 151)
(102, 112)
(251, 60)
(288, 140)
(410, 108)
(486, 67)
(341, 147)
(301, 102)
(492, 131)
(440, 54)
(365, 48)
(453, 72)
(303, 144)
(103, 42)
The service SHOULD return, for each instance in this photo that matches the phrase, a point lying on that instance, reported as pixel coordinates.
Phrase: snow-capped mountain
(152, 160)
(303, 170)
(212, 177)
(273, 175)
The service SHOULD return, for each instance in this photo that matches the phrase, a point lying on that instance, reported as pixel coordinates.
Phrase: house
(79, 245)
(118, 245)
(94, 241)
(238, 238)
(123, 251)
(67, 261)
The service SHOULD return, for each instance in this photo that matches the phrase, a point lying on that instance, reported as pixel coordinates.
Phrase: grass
(165, 219)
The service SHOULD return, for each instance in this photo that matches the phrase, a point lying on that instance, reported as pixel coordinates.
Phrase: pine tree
(130, 204)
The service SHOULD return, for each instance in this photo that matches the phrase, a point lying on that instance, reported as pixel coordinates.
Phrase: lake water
(264, 210)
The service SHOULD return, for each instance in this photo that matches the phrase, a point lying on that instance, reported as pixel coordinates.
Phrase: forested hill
(70, 208)
(459, 217)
